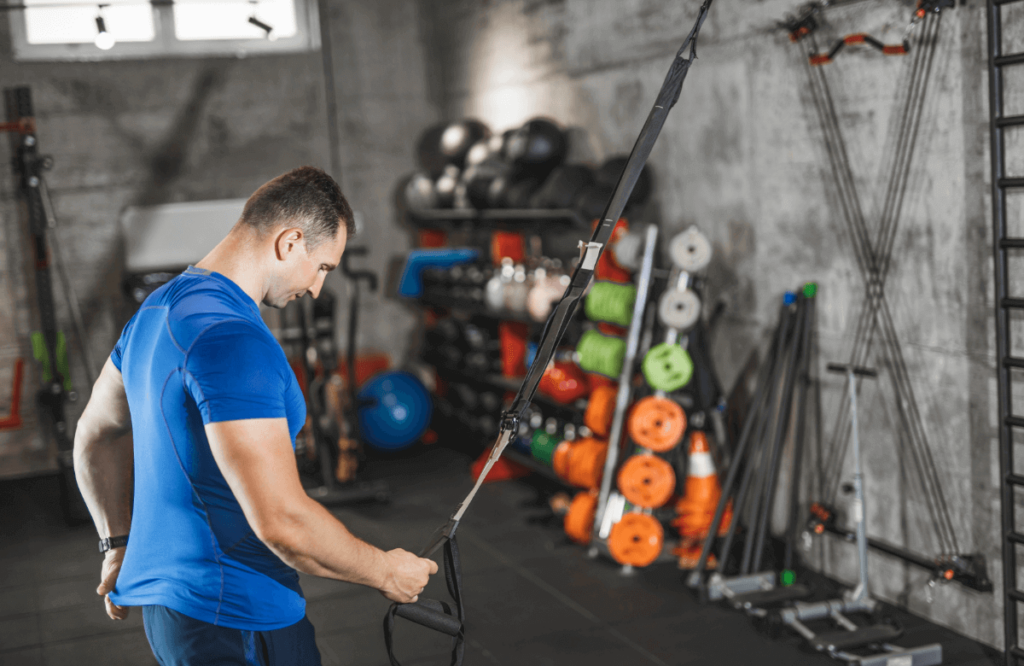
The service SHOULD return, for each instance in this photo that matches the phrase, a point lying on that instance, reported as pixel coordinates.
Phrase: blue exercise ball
(394, 410)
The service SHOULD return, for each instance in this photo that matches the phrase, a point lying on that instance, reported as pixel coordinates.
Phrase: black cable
(877, 259)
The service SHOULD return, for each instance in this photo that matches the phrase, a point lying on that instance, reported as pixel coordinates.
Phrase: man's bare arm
(256, 458)
(103, 468)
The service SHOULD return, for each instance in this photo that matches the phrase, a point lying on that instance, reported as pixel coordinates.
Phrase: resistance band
(440, 616)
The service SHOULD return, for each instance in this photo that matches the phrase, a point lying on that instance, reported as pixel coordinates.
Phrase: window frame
(165, 44)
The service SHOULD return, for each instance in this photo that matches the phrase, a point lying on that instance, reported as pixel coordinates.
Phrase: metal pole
(859, 510)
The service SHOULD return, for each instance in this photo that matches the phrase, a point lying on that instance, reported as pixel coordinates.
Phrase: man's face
(303, 272)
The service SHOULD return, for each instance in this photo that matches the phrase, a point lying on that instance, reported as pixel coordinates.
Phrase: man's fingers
(114, 611)
(433, 566)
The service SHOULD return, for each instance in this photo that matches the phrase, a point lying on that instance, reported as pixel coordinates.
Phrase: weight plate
(679, 309)
(667, 367)
(581, 463)
(611, 302)
(579, 521)
(628, 250)
(600, 353)
(601, 409)
(636, 539)
(690, 250)
(657, 424)
(647, 481)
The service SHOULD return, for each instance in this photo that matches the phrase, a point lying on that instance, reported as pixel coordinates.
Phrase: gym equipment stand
(851, 636)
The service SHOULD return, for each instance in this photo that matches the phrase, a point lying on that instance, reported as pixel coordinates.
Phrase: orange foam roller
(636, 539)
(601, 409)
(657, 423)
(579, 521)
(647, 481)
(581, 462)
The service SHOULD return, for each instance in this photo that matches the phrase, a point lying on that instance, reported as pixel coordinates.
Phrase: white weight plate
(679, 309)
(690, 250)
(628, 250)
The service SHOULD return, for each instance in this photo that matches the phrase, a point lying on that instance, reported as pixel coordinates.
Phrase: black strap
(437, 615)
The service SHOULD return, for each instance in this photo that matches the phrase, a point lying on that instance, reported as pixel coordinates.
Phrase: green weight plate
(667, 367)
(611, 302)
(600, 353)
(543, 446)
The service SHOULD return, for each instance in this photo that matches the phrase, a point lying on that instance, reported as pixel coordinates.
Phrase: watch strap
(113, 542)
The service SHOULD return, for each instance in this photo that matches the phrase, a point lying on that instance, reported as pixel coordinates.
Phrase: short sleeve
(122, 343)
(235, 371)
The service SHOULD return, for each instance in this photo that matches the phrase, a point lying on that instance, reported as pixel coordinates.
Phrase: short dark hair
(307, 197)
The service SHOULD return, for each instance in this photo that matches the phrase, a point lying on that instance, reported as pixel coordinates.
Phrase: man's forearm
(313, 541)
(103, 469)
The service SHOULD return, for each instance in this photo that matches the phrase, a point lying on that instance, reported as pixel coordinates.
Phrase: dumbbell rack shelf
(501, 218)
(480, 311)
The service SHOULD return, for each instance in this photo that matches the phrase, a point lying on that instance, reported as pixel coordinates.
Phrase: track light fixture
(104, 40)
(268, 29)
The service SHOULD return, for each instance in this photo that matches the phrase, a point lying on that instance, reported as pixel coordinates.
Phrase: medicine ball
(428, 150)
(419, 193)
(537, 147)
(593, 199)
(477, 181)
(562, 188)
(394, 410)
(445, 185)
(520, 191)
(459, 137)
(612, 169)
(484, 150)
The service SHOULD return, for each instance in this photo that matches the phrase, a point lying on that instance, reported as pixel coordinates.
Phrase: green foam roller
(667, 367)
(611, 302)
(600, 353)
(543, 446)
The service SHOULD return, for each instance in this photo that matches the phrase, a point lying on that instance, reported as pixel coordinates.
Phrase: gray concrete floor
(532, 597)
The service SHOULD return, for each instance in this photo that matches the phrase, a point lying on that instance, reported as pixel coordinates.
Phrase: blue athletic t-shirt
(198, 352)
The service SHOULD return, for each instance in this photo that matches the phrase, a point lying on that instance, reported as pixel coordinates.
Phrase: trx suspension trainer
(441, 616)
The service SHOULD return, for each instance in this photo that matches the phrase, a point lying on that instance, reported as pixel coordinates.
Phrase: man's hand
(407, 576)
(108, 579)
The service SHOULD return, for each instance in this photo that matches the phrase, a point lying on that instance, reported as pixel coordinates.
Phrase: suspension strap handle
(433, 614)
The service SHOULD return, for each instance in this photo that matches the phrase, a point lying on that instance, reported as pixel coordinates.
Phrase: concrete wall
(742, 156)
(187, 129)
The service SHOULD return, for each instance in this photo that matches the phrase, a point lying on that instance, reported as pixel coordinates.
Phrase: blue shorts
(178, 640)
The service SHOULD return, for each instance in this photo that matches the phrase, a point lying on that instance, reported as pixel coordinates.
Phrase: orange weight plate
(579, 521)
(601, 409)
(636, 539)
(560, 458)
(647, 481)
(657, 423)
(581, 463)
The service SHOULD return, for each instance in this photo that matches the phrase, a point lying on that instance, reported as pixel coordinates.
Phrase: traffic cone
(696, 509)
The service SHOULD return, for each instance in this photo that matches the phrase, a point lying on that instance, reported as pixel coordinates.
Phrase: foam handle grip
(430, 614)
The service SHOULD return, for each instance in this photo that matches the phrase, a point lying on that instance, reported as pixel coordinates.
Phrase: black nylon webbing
(453, 577)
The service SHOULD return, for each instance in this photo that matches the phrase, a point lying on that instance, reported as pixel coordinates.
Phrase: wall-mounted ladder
(1006, 361)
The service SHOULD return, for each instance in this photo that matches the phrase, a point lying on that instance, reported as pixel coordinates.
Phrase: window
(115, 29)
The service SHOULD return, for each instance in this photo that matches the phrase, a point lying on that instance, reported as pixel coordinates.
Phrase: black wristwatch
(113, 542)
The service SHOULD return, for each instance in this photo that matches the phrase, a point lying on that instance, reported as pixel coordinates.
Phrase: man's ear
(287, 242)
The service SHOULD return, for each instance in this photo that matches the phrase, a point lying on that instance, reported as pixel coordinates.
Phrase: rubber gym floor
(532, 596)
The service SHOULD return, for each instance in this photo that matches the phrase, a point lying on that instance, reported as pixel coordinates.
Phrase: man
(220, 521)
